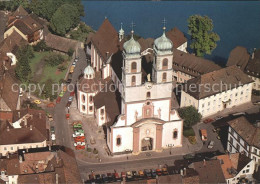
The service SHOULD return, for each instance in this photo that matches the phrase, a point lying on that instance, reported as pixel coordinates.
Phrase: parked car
(76, 59)
(188, 156)
(123, 175)
(79, 147)
(204, 134)
(211, 144)
(98, 178)
(79, 139)
(76, 122)
(70, 98)
(76, 134)
(72, 69)
(51, 105)
(50, 117)
(147, 173)
(79, 143)
(72, 93)
(68, 104)
(77, 126)
(74, 63)
(58, 100)
(91, 177)
(37, 102)
(52, 129)
(79, 131)
(218, 118)
(110, 177)
(208, 120)
(53, 138)
(104, 178)
(129, 175)
(67, 116)
(135, 175)
(64, 88)
(153, 173)
(141, 174)
(239, 113)
(165, 171)
(159, 172)
(68, 81)
(117, 177)
(61, 93)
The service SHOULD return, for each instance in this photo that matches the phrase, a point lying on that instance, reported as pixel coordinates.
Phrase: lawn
(42, 72)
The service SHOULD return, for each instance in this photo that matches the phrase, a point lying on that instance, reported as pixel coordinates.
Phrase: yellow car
(37, 101)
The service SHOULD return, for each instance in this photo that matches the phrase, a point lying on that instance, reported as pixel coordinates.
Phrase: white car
(211, 144)
(53, 138)
(79, 143)
(77, 134)
(70, 98)
(74, 63)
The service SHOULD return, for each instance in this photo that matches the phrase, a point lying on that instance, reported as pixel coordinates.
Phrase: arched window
(164, 77)
(133, 67)
(165, 64)
(83, 107)
(118, 141)
(133, 80)
(175, 134)
(102, 112)
(148, 94)
(83, 98)
(90, 99)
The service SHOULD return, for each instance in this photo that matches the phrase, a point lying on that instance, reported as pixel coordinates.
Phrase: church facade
(139, 114)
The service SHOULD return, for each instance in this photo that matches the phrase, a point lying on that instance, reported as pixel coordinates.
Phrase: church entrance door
(147, 144)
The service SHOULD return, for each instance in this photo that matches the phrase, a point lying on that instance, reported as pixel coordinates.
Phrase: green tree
(47, 91)
(65, 18)
(202, 37)
(190, 115)
(70, 52)
(41, 46)
(53, 59)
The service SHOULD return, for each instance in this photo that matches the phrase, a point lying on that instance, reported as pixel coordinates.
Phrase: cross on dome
(164, 21)
(132, 26)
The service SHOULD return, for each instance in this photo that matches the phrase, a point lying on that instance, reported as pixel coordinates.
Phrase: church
(135, 103)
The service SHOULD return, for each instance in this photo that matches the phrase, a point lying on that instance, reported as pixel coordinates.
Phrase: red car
(51, 105)
(208, 120)
(58, 99)
(79, 139)
(67, 116)
(72, 93)
(79, 147)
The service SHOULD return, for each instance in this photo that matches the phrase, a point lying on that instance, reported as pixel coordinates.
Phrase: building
(209, 171)
(41, 167)
(10, 45)
(135, 122)
(28, 129)
(236, 166)
(27, 25)
(243, 137)
(239, 56)
(253, 69)
(9, 90)
(217, 90)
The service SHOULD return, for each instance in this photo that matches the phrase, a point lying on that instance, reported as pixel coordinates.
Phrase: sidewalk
(93, 131)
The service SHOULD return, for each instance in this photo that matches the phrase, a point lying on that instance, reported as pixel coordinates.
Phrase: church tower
(132, 66)
(162, 64)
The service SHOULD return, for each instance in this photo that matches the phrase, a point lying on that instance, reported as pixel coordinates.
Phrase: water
(237, 23)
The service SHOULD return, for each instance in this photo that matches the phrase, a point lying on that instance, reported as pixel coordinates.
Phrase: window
(238, 139)
(231, 140)
(102, 112)
(83, 98)
(118, 141)
(232, 131)
(241, 92)
(5, 148)
(247, 171)
(164, 77)
(175, 134)
(238, 147)
(148, 112)
(83, 107)
(165, 64)
(148, 94)
(12, 148)
(133, 80)
(230, 148)
(90, 99)
(90, 108)
(133, 67)
(208, 103)
(202, 105)
(236, 94)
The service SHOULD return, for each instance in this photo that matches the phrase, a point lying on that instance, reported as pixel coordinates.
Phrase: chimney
(25, 122)
(49, 147)
(204, 162)
(19, 114)
(184, 172)
(181, 172)
(57, 178)
(40, 115)
(30, 127)
(107, 54)
(20, 159)
(8, 129)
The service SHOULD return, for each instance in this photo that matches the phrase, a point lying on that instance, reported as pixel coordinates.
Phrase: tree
(202, 37)
(65, 18)
(70, 52)
(41, 46)
(53, 59)
(190, 115)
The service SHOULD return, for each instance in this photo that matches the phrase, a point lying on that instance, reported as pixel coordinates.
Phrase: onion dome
(163, 43)
(89, 72)
(132, 46)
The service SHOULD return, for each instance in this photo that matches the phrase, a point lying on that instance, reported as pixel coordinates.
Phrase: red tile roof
(177, 37)
(239, 57)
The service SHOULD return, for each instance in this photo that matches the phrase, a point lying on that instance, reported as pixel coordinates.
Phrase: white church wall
(131, 111)
(168, 129)
(164, 106)
(126, 135)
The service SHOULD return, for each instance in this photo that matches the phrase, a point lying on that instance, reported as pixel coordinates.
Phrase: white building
(243, 137)
(218, 90)
(136, 107)
(236, 166)
(28, 130)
